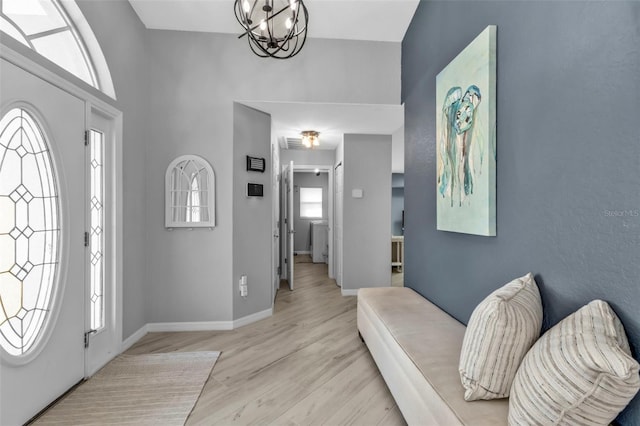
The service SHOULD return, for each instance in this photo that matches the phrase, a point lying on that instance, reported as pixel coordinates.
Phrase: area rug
(152, 389)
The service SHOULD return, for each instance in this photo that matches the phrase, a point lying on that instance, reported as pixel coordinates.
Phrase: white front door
(42, 186)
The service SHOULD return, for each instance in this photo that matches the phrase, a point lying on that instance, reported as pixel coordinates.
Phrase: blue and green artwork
(466, 139)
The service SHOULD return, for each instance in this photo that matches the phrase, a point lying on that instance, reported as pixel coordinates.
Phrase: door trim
(329, 170)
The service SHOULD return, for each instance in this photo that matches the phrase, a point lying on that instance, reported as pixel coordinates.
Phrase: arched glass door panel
(29, 231)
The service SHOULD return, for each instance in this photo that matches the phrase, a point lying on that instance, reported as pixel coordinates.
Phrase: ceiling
(288, 119)
(374, 20)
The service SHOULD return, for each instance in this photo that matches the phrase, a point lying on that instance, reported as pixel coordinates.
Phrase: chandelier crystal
(274, 28)
(310, 138)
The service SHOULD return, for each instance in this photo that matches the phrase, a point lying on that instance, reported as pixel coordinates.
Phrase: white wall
(251, 215)
(366, 230)
(307, 157)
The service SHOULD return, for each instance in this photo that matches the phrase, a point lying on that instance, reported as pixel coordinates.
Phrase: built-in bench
(416, 347)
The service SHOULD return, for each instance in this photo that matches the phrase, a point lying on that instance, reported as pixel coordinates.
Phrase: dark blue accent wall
(568, 158)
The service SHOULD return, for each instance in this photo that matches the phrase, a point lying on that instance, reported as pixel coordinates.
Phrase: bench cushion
(417, 347)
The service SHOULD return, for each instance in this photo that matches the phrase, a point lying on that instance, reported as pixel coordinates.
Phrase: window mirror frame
(204, 169)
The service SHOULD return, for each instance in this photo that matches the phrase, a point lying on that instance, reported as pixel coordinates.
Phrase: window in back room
(311, 203)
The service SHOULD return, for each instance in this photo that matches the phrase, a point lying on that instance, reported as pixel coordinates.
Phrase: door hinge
(86, 239)
(86, 337)
(86, 137)
(286, 260)
(285, 220)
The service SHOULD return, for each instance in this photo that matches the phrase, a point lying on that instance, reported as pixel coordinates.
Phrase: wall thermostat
(255, 190)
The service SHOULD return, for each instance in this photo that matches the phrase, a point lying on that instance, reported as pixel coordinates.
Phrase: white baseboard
(155, 327)
(131, 340)
(241, 322)
(349, 292)
(302, 252)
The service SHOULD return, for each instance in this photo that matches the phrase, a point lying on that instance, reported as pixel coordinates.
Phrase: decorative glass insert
(311, 203)
(190, 193)
(29, 231)
(44, 26)
(96, 233)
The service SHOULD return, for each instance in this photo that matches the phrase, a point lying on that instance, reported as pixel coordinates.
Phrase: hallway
(304, 365)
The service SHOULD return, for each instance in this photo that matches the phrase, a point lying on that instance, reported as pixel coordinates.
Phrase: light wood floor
(397, 279)
(305, 365)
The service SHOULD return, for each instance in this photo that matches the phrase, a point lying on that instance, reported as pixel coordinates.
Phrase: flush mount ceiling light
(274, 28)
(310, 138)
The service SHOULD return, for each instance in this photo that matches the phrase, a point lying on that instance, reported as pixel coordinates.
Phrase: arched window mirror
(57, 30)
(190, 193)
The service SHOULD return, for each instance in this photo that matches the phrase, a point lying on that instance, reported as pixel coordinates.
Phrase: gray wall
(366, 231)
(397, 151)
(125, 54)
(177, 90)
(397, 202)
(568, 158)
(251, 215)
(302, 226)
(196, 77)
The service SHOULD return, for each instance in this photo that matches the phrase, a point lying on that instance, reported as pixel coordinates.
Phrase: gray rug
(152, 389)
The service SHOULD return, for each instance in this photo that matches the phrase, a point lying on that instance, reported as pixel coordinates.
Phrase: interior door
(275, 249)
(290, 228)
(56, 360)
(337, 222)
(101, 340)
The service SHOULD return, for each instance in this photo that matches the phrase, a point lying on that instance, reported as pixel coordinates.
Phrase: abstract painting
(466, 139)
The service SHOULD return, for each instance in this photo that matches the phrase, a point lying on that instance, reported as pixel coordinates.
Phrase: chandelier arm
(239, 8)
(257, 48)
(269, 18)
(304, 29)
(290, 35)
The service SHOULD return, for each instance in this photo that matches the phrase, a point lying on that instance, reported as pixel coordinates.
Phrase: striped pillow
(580, 372)
(501, 330)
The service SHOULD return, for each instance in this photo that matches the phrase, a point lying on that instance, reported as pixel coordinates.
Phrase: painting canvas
(466, 139)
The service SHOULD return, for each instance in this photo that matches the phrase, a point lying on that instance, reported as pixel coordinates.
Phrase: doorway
(297, 246)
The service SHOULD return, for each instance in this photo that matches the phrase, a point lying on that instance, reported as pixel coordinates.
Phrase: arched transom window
(46, 27)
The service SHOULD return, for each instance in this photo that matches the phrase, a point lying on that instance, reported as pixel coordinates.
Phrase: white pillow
(501, 330)
(579, 372)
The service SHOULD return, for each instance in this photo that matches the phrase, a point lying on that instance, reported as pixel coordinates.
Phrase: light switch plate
(357, 193)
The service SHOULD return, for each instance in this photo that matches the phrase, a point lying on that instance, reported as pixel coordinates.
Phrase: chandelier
(310, 138)
(274, 28)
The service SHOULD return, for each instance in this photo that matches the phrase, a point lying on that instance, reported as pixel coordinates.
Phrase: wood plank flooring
(305, 365)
